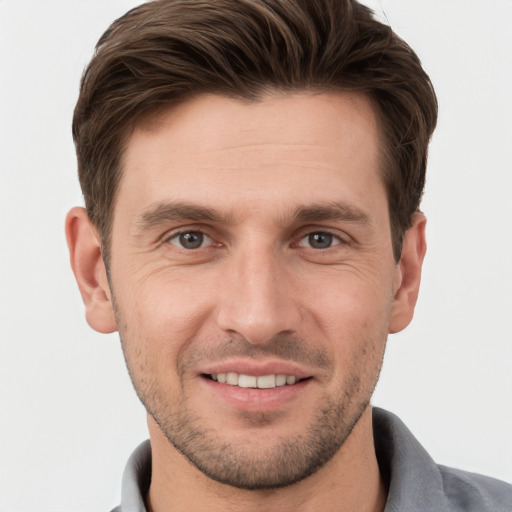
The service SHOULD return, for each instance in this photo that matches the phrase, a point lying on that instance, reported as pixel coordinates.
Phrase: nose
(257, 296)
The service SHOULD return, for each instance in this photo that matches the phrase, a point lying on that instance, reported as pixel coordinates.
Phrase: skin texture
(290, 270)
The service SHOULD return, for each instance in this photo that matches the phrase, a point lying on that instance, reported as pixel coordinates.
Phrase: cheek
(352, 316)
(351, 302)
(159, 315)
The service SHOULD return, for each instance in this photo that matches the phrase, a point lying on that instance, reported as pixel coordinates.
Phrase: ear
(90, 273)
(408, 275)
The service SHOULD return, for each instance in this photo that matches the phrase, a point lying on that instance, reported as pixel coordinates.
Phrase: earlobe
(408, 275)
(90, 273)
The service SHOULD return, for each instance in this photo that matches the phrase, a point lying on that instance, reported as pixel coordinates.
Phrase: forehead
(227, 153)
(209, 121)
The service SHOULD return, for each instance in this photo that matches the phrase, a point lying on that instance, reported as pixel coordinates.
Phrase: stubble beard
(259, 466)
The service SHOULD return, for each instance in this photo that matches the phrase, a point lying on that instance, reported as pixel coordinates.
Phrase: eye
(319, 240)
(190, 239)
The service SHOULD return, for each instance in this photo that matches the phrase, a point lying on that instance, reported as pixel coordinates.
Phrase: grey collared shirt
(415, 482)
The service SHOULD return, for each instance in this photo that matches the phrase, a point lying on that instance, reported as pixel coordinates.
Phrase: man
(252, 172)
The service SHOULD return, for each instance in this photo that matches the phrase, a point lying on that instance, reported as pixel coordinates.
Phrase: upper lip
(257, 368)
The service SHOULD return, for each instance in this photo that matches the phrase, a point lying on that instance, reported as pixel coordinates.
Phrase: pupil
(320, 240)
(191, 240)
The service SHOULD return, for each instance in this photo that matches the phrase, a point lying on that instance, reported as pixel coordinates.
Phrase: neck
(349, 482)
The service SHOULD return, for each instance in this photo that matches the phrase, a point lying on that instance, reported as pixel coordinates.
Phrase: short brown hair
(166, 51)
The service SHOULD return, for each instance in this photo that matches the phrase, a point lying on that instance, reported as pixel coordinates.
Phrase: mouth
(256, 387)
(242, 380)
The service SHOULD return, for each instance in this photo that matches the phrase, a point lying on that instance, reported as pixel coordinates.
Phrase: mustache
(285, 347)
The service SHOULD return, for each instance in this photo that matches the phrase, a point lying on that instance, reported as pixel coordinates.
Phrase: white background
(68, 415)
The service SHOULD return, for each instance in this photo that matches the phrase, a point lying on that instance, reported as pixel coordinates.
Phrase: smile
(250, 381)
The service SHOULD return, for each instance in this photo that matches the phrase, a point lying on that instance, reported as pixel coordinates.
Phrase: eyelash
(335, 238)
(186, 232)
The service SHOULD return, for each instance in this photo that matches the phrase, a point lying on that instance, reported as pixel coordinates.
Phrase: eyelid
(177, 232)
(336, 239)
(341, 237)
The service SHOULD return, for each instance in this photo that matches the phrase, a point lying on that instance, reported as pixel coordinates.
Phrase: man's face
(251, 244)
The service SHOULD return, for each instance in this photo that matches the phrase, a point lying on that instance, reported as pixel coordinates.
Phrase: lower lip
(256, 400)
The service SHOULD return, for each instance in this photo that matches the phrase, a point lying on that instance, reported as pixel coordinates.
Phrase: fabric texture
(415, 482)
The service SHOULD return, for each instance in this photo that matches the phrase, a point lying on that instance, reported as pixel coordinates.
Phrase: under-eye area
(252, 381)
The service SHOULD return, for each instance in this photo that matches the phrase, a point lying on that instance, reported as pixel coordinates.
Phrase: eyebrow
(172, 212)
(331, 211)
(181, 211)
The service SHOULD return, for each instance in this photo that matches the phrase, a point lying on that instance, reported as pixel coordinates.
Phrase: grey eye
(189, 239)
(319, 240)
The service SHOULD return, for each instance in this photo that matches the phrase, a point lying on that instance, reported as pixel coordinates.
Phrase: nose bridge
(257, 300)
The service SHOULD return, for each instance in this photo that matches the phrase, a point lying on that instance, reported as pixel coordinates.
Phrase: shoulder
(473, 492)
(416, 483)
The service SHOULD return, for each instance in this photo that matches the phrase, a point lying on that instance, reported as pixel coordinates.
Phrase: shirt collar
(414, 479)
(136, 480)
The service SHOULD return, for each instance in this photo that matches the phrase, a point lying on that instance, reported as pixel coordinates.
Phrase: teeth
(250, 381)
(267, 381)
(232, 378)
(280, 380)
(247, 381)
